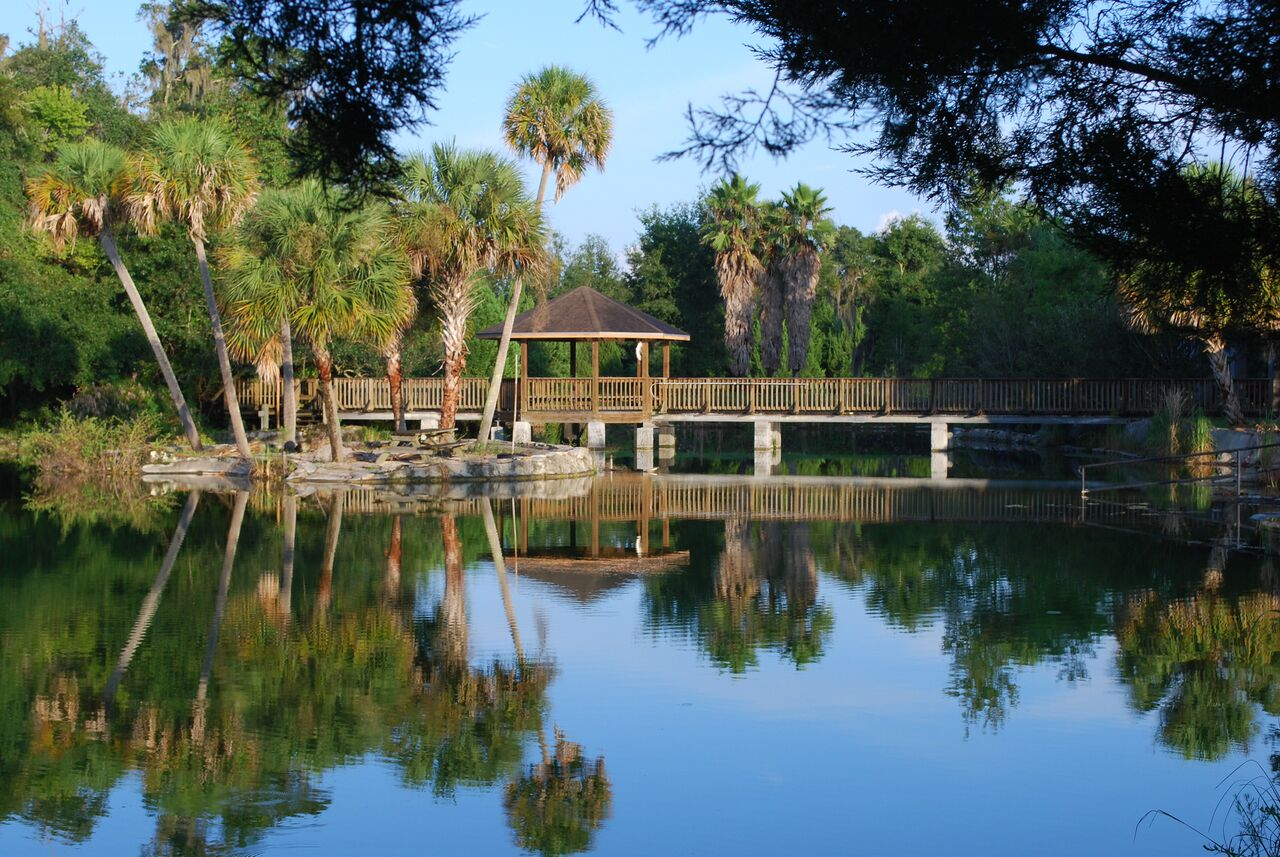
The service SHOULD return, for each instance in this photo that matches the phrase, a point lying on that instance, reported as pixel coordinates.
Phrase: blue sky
(648, 90)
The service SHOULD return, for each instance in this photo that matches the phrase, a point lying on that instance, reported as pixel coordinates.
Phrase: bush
(91, 445)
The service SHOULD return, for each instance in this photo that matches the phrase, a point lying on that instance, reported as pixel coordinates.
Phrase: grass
(1255, 804)
(94, 446)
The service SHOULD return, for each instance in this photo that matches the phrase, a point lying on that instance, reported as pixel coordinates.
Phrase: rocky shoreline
(382, 466)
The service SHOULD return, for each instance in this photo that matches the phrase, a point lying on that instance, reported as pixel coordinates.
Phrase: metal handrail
(1155, 459)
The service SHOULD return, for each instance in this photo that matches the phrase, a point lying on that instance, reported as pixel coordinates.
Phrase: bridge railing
(566, 397)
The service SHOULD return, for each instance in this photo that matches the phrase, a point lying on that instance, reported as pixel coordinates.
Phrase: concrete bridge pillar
(666, 435)
(644, 437)
(521, 432)
(429, 421)
(939, 463)
(939, 437)
(595, 434)
(766, 461)
(768, 436)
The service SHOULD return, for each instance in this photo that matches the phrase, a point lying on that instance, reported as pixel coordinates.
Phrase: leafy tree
(671, 274)
(57, 114)
(732, 231)
(1198, 269)
(332, 269)
(352, 72)
(461, 214)
(84, 192)
(196, 173)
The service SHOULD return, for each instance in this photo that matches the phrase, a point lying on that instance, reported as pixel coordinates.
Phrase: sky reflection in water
(832, 682)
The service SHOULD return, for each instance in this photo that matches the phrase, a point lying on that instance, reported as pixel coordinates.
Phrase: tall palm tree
(330, 270)
(196, 173)
(771, 287)
(463, 214)
(803, 233)
(732, 231)
(82, 193)
(556, 118)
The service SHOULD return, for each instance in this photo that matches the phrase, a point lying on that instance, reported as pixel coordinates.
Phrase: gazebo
(585, 315)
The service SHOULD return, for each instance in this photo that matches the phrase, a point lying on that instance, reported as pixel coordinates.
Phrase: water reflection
(266, 640)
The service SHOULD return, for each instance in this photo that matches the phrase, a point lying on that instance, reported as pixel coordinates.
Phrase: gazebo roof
(586, 314)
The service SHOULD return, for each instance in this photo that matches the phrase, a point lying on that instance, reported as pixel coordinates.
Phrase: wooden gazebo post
(595, 377)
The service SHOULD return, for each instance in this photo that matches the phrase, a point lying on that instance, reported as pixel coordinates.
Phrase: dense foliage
(998, 290)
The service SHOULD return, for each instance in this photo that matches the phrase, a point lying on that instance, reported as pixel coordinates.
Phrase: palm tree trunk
(288, 394)
(219, 608)
(152, 600)
(500, 365)
(499, 564)
(453, 332)
(395, 379)
(285, 603)
(802, 289)
(455, 594)
(324, 589)
(1216, 349)
(395, 556)
(739, 305)
(108, 243)
(324, 367)
(224, 360)
(542, 186)
(771, 283)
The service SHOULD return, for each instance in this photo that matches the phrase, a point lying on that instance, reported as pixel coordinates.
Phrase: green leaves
(334, 271)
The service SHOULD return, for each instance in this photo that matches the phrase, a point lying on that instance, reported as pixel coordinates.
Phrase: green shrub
(91, 445)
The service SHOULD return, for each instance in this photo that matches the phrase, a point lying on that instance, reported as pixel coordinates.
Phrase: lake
(679, 664)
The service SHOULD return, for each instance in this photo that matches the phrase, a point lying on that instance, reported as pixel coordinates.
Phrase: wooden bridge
(650, 503)
(642, 399)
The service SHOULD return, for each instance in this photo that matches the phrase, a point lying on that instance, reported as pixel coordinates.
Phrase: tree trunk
(455, 595)
(324, 366)
(772, 292)
(500, 365)
(108, 243)
(224, 360)
(453, 332)
(739, 307)
(324, 589)
(500, 565)
(289, 396)
(1273, 378)
(285, 603)
(395, 379)
(219, 608)
(542, 186)
(395, 556)
(802, 289)
(152, 601)
(1216, 350)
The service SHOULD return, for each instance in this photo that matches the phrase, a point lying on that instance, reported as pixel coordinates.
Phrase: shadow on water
(265, 640)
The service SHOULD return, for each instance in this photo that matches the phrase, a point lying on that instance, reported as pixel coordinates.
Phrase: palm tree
(803, 233)
(330, 270)
(732, 231)
(1236, 292)
(556, 118)
(196, 173)
(462, 214)
(771, 287)
(82, 193)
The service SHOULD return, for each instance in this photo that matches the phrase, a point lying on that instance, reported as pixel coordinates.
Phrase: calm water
(820, 667)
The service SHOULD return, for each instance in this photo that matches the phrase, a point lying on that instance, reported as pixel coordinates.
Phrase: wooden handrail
(792, 396)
